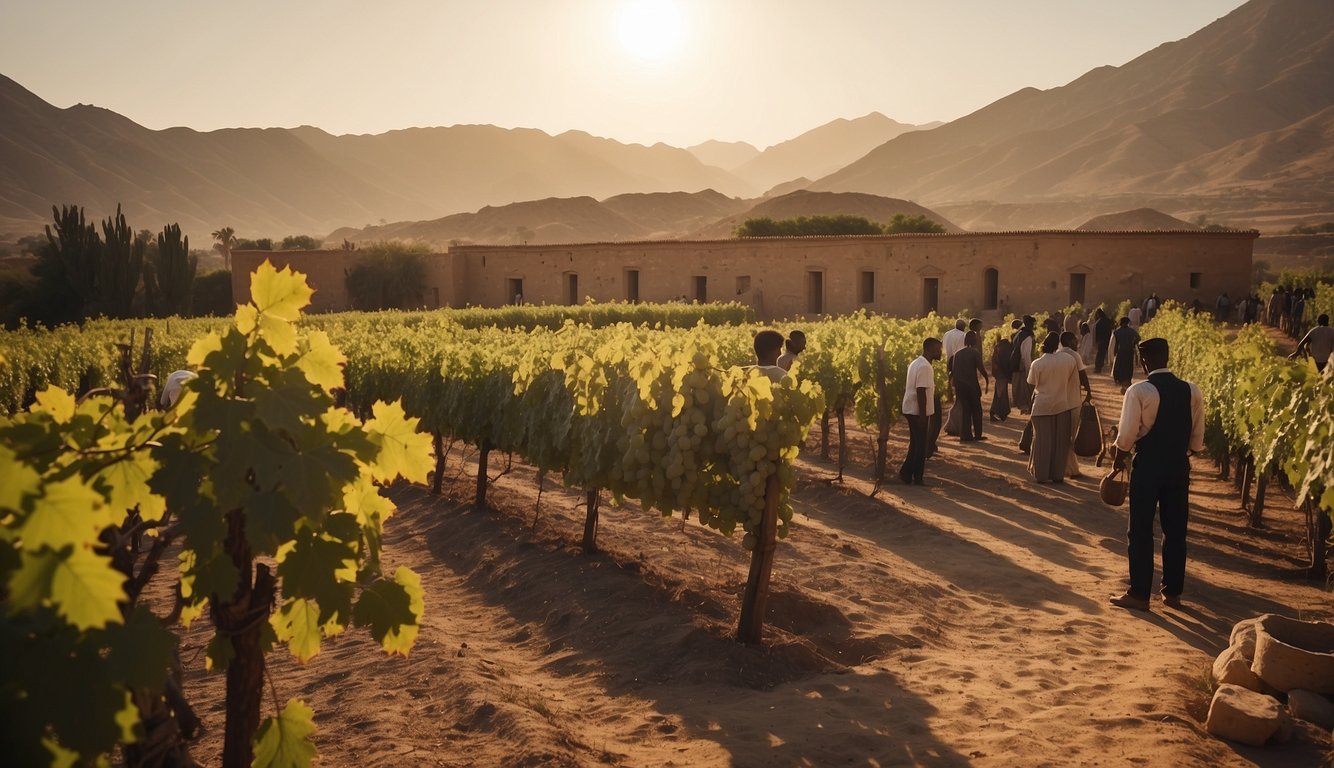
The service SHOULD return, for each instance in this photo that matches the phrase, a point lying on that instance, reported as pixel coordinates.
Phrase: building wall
(783, 277)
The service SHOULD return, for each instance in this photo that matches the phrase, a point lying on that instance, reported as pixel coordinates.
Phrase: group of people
(1161, 425)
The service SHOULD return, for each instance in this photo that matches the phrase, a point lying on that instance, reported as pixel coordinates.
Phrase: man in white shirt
(1162, 421)
(768, 343)
(918, 407)
(1319, 342)
(954, 339)
(1135, 315)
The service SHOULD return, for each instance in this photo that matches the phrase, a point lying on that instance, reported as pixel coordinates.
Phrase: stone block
(1244, 716)
(1294, 654)
(1243, 635)
(1311, 707)
(1233, 667)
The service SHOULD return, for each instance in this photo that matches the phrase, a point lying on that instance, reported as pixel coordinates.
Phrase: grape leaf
(279, 294)
(139, 650)
(403, 450)
(127, 484)
(56, 403)
(297, 623)
(16, 480)
(392, 610)
(81, 585)
(321, 361)
(67, 512)
(284, 741)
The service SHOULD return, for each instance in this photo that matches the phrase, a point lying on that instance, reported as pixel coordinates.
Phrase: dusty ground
(961, 623)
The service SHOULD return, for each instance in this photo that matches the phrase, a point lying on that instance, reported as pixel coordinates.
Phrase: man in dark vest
(1162, 422)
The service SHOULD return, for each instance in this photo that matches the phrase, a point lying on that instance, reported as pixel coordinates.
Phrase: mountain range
(1243, 106)
(1235, 122)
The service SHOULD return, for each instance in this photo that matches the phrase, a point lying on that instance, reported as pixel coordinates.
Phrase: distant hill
(636, 216)
(820, 151)
(1243, 104)
(724, 154)
(1140, 219)
(274, 182)
(778, 190)
(804, 203)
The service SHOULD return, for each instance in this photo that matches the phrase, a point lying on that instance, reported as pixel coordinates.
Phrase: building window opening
(701, 288)
(867, 287)
(514, 290)
(1077, 282)
(990, 288)
(742, 284)
(571, 288)
(1195, 280)
(930, 295)
(814, 293)
(632, 285)
(435, 292)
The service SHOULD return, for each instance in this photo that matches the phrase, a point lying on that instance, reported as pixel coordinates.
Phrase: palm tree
(226, 238)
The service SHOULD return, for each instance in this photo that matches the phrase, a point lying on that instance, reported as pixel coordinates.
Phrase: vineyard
(273, 464)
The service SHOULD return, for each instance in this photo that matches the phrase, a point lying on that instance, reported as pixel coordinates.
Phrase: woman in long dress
(1125, 341)
(1050, 376)
(1000, 370)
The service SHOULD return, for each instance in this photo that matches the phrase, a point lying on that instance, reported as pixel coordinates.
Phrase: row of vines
(1265, 414)
(269, 487)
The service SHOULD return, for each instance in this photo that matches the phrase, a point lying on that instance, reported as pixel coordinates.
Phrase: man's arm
(1303, 346)
(1084, 382)
(921, 400)
(1127, 428)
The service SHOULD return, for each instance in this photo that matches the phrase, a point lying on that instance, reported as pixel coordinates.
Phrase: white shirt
(953, 340)
(1026, 351)
(1074, 395)
(1134, 314)
(920, 374)
(1140, 410)
(774, 373)
(1086, 349)
(1050, 377)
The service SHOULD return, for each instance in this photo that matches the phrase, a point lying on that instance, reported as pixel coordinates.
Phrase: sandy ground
(964, 623)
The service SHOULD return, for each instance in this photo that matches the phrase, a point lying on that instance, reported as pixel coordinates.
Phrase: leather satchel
(1088, 440)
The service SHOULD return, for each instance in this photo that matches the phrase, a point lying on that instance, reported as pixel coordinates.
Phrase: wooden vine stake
(438, 446)
(594, 500)
(483, 452)
(751, 629)
(882, 419)
(824, 435)
(842, 439)
(1318, 524)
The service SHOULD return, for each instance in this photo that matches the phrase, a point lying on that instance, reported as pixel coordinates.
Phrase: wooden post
(1318, 524)
(1258, 506)
(1248, 476)
(882, 438)
(483, 451)
(751, 628)
(438, 444)
(591, 521)
(824, 435)
(842, 441)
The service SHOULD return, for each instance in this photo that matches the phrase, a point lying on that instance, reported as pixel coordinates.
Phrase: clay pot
(1294, 654)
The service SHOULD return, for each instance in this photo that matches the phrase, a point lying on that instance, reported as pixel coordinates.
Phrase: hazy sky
(678, 71)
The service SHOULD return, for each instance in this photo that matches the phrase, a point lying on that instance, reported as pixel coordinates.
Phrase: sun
(650, 29)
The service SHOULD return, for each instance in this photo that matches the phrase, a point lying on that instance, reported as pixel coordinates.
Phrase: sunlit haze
(676, 71)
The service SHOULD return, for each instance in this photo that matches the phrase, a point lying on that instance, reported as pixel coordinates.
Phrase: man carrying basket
(1162, 422)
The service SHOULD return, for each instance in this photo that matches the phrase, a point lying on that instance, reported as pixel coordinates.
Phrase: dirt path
(963, 623)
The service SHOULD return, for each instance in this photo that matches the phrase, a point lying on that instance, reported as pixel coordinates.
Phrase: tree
(806, 226)
(119, 269)
(920, 223)
(169, 280)
(226, 238)
(66, 269)
(388, 275)
(212, 294)
(262, 244)
(300, 243)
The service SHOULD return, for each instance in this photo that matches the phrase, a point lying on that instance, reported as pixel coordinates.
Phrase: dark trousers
(1158, 490)
(914, 464)
(933, 429)
(970, 421)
